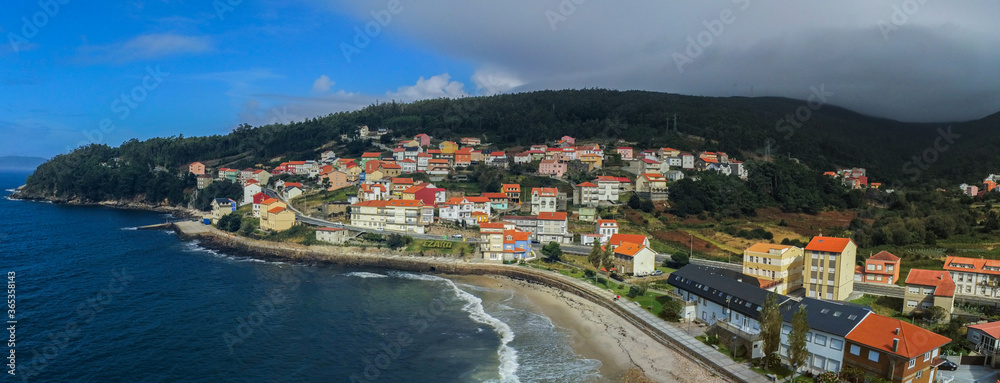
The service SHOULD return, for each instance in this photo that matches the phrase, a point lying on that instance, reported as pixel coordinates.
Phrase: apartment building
(829, 268)
(974, 276)
(781, 264)
(405, 216)
(928, 288)
(544, 200)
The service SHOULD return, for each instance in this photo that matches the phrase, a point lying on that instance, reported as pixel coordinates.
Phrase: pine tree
(797, 352)
(770, 327)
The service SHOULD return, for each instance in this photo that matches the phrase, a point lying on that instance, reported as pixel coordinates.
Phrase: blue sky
(201, 68)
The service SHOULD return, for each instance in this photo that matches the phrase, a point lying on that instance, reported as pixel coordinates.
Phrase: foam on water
(362, 274)
(195, 247)
(130, 228)
(474, 306)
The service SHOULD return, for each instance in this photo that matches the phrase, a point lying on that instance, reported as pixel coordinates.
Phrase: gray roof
(833, 317)
(742, 292)
(223, 201)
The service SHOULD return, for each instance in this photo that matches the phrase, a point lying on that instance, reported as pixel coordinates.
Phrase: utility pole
(675, 122)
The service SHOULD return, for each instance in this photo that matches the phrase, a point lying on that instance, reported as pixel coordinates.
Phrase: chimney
(897, 331)
(895, 344)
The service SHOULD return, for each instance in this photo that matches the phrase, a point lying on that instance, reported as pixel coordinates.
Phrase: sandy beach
(626, 353)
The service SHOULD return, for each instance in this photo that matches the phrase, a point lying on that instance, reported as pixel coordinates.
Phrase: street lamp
(691, 253)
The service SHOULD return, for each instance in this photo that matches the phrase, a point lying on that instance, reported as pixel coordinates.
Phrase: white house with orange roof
(651, 183)
(461, 209)
(606, 228)
(974, 276)
(513, 192)
(635, 259)
(372, 192)
(404, 216)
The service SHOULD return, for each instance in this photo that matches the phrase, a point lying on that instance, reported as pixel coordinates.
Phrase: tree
(935, 314)
(678, 260)
(797, 352)
(634, 201)
(553, 252)
(230, 222)
(395, 241)
(596, 255)
(770, 327)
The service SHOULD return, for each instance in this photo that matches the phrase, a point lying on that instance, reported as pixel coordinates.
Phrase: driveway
(968, 373)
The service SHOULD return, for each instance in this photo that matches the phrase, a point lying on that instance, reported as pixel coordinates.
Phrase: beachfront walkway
(691, 345)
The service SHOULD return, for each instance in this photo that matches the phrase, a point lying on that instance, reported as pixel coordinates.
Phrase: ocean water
(98, 301)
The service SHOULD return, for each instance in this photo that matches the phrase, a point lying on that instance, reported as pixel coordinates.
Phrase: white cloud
(322, 85)
(439, 86)
(492, 81)
(147, 47)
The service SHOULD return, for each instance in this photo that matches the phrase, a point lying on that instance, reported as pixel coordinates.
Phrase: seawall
(213, 238)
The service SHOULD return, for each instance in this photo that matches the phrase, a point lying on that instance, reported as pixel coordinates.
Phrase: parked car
(657, 272)
(948, 366)
(456, 236)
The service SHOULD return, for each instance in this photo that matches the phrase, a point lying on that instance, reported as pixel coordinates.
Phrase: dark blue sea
(98, 301)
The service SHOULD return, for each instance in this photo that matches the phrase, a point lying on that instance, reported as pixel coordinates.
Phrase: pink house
(197, 168)
(625, 152)
(567, 141)
(552, 167)
(423, 139)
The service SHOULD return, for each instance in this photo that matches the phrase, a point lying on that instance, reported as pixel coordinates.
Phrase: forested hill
(821, 138)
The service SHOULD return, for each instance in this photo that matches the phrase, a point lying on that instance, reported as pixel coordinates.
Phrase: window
(836, 344)
(786, 329)
(935, 354)
(879, 278)
(820, 339)
(829, 296)
(913, 362)
(879, 267)
(814, 268)
(819, 362)
(833, 365)
(911, 303)
(871, 277)
(871, 267)
(873, 356)
(920, 374)
(914, 290)
(928, 290)
(889, 267)
(927, 356)
(855, 350)
(809, 337)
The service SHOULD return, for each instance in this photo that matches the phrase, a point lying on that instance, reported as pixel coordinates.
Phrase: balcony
(747, 334)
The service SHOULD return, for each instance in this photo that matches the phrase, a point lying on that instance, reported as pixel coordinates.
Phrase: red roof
(510, 188)
(495, 195)
(992, 329)
(831, 244)
(268, 201)
(371, 155)
(491, 225)
(251, 182)
(329, 229)
(884, 256)
(479, 199)
(878, 332)
(498, 154)
(587, 185)
(293, 184)
(545, 192)
(552, 216)
(276, 209)
(649, 161)
(941, 280)
(386, 165)
(604, 221)
(413, 189)
(402, 181)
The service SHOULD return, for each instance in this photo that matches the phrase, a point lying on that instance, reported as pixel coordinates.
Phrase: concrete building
(606, 228)
(928, 288)
(829, 268)
(777, 263)
(544, 200)
(974, 276)
(553, 227)
(221, 207)
(404, 216)
(332, 235)
(894, 350)
(634, 259)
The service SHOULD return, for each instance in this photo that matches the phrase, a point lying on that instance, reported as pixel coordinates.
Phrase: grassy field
(884, 306)
(440, 247)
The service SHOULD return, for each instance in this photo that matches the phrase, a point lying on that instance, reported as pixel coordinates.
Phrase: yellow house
(411, 144)
(390, 169)
(374, 176)
(592, 161)
(828, 269)
(275, 216)
(781, 265)
(353, 173)
(448, 147)
(650, 183)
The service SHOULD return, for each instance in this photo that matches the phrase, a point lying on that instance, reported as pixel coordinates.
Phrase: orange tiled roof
(604, 221)
(552, 216)
(972, 265)
(654, 177)
(628, 248)
(402, 181)
(884, 256)
(494, 195)
(371, 155)
(941, 280)
(479, 199)
(511, 187)
(587, 185)
(831, 244)
(878, 331)
(276, 209)
(616, 239)
(413, 189)
(992, 329)
(268, 201)
(545, 192)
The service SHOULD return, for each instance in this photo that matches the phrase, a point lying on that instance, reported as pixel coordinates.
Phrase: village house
(431, 196)
(985, 338)
(673, 175)
(606, 228)
(553, 168)
(398, 185)
(544, 200)
(336, 179)
(928, 288)
(593, 161)
(204, 180)
(404, 216)
(250, 188)
(829, 324)
(498, 159)
(781, 264)
(609, 188)
(652, 186)
(513, 192)
(585, 194)
(463, 157)
(448, 147)
(687, 160)
(879, 268)
(422, 139)
(522, 158)
(461, 209)
(566, 141)
(293, 189)
(617, 239)
(372, 192)
(829, 268)
(501, 242)
(275, 216)
(227, 174)
(408, 166)
(587, 214)
(525, 223)
(221, 207)
(390, 169)
(553, 227)
(411, 192)
(261, 176)
(353, 171)
(196, 168)
(625, 152)
(498, 201)
(974, 276)
(257, 200)
(894, 350)
(470, 141)
(634, 259)
(327, 156)
(332, 235)
(367, 157)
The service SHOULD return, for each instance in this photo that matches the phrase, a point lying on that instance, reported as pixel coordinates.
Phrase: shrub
(635, 291)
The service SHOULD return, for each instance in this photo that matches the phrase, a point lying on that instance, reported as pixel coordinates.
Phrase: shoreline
(605, 325)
